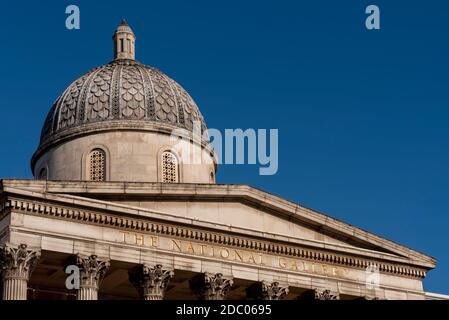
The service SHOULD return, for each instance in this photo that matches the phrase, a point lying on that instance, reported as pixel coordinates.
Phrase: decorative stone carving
(209, 286)
(165, 100)
(97, 104)
(191, 234)
(122, 90)
(266, 291)
(325, 295)
(150, 282)
(16, 265)
(68, 109)
(190, 112)
(317, 294)
(92, 272)
(132, 94)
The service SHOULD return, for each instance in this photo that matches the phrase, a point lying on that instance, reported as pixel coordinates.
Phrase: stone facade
(165, 253)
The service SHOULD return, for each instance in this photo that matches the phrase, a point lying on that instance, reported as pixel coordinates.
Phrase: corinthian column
(316, 294)
(16, 265)
(266, 291)
(150, 282)
(92, 271)
(209, 286)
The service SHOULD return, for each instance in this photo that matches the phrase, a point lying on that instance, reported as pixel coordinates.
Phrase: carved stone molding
(92, 272)
(16, 265)
(104, 219)
(150, 282)
(325, 295)
(121, 91)
(267, 291)
(317, 294)
(211, 286)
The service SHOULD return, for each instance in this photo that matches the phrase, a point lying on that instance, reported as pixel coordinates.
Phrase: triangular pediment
(234, 209)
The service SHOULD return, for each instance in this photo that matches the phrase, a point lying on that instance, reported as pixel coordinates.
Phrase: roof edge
(245, 193)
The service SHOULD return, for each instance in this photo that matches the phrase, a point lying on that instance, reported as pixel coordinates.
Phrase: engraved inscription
(231, 254)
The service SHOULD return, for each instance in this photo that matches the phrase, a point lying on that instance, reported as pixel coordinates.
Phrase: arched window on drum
(169, 168)
(97, 165)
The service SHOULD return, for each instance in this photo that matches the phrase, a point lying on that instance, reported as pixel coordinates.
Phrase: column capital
(18, 262)
(16, 265)
(326, 295)
(319, 294)
(211, 286)
(267, 291)
(92, 272)
(150, 282)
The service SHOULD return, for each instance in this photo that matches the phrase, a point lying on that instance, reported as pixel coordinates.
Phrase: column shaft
(87, 293)
(15, 289)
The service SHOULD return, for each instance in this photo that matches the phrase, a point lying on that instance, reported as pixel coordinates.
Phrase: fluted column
(92, 272)
(16, 265)
(317, 294)
(150, 282)
(210, 286)
(266, 291)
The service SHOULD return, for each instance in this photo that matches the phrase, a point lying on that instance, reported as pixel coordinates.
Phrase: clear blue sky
(362, 115)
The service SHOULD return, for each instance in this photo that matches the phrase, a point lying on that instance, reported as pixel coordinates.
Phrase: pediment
(226, 208)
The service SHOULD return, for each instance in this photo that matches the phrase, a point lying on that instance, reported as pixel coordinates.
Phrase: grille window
(169, 168)
(97, 165)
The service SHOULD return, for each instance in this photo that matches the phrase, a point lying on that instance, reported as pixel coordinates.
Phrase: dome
(120, 94)
(123, 95)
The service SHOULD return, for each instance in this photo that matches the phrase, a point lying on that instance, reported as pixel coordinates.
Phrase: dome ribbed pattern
(122, 90)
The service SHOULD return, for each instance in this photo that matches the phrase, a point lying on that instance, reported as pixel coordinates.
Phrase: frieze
(145, 228)
(230, 254)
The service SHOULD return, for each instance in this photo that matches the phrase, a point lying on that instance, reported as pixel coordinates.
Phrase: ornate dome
(118, 92)
(121, 95)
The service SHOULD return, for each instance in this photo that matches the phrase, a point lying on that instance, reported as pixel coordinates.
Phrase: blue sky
(362, 115)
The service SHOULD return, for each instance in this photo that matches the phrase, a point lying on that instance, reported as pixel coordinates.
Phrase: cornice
(144, 224)
(235, 193)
